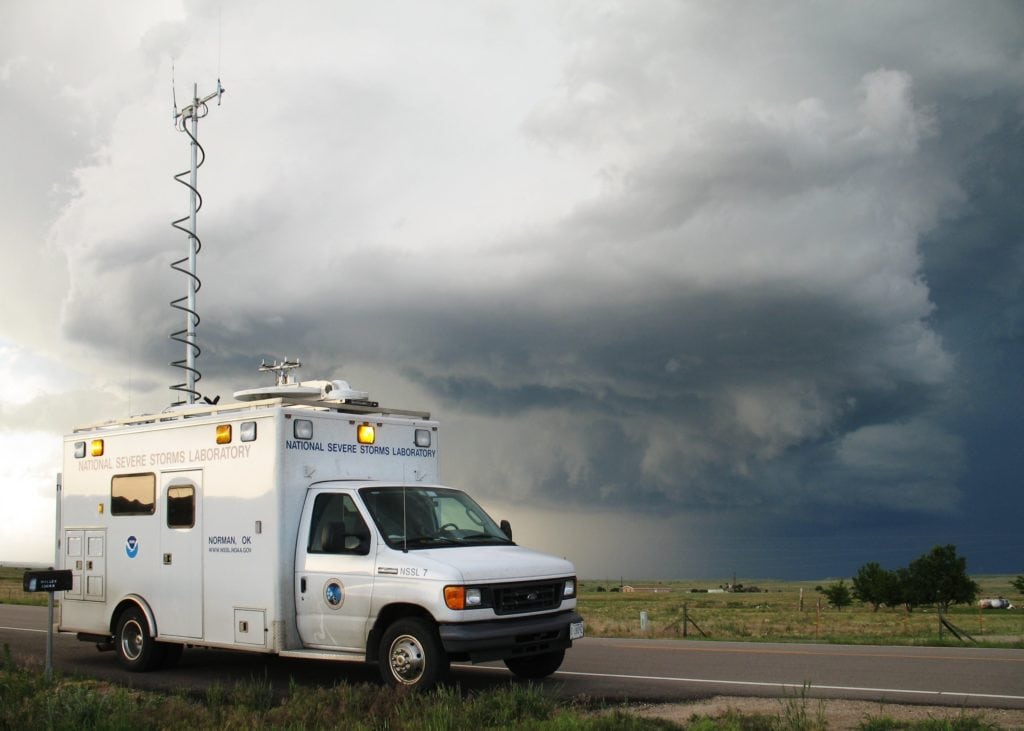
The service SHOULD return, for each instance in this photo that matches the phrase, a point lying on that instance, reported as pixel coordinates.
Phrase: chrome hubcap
(131, 640)
(406, 659)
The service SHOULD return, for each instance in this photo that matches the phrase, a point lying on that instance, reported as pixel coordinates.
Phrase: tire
(136, 650)
(411, 655)
(535, 667)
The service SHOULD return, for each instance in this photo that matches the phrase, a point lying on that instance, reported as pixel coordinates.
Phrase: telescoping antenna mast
(185, 118)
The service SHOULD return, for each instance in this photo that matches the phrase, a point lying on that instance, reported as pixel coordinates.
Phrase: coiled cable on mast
(186, 336)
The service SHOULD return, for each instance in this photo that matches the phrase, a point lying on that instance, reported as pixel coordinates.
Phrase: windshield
(430, 517)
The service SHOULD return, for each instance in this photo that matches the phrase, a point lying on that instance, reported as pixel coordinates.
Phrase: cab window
(337, 527)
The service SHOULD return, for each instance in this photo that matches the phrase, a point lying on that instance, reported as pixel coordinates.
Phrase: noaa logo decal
(131, 547)
(334, 593)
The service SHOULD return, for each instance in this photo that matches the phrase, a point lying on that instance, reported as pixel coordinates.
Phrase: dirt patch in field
(838, 715)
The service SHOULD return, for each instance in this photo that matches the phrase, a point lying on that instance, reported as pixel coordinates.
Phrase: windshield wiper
(433, 541)
(486, 537)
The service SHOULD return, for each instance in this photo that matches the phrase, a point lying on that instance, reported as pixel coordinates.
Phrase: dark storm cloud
(760, 265)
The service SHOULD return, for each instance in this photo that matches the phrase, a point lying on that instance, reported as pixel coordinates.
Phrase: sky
(696, 290)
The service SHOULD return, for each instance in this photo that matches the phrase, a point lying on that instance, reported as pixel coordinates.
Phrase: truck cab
(415, 576)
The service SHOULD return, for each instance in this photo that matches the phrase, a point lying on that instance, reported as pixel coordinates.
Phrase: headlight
(569, 589)
(464, 597)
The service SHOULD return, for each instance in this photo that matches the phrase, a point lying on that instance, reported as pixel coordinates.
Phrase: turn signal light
(455, 597)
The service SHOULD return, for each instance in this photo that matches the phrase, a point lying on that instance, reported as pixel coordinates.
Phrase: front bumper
(504, 638)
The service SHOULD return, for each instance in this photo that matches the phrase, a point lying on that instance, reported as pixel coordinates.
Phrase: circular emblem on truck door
(334, 593)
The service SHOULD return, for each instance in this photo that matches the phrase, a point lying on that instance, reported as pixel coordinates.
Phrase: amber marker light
(96, 448)
(455, 597)
(366, 434)
(224, 434)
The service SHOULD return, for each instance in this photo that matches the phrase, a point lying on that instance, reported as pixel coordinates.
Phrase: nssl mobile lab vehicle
(304, 521)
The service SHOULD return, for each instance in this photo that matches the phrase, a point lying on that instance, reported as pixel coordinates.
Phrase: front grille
(530, 597)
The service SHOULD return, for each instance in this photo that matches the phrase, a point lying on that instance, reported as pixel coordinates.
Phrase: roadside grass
(11, 591)
(27, 700)
(780, 613)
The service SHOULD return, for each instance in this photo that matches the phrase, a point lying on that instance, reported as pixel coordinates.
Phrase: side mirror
(506, 528)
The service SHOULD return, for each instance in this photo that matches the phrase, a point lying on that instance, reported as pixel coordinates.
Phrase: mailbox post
(48, 581)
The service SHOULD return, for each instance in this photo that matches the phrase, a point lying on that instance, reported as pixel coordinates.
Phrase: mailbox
(47, 580)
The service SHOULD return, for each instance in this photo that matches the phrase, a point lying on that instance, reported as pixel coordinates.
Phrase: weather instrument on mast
(187, 120)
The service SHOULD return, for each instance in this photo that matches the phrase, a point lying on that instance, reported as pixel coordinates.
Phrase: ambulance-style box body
(305, 521)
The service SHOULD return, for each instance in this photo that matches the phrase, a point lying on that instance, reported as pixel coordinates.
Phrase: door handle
(167, 559)
(302, 585)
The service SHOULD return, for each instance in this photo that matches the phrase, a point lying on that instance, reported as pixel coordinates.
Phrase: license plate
(576, 631)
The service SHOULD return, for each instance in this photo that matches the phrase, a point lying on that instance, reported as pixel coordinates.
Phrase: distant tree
(910, 594)
(938, 577)
(1018, 584)
(838, 594)
(876, 586)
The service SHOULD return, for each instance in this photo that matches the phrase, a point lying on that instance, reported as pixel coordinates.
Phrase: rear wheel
(136, 650)
(411, 655)
(535, 667)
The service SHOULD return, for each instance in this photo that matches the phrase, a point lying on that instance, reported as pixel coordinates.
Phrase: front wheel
(411, 655)
(136, 650)
(535, 667)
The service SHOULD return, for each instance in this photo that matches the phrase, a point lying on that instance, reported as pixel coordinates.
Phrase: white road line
(25, 629)
(791, 686)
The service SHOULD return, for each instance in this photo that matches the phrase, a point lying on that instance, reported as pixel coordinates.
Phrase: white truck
(303, 520)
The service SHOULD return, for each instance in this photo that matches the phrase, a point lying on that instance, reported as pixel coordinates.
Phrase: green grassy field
(780, 612)
(774, 614)
(10, 588)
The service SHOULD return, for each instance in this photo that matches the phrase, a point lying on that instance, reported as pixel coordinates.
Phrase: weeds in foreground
(796, 716)
(27, 700)
(962, 723)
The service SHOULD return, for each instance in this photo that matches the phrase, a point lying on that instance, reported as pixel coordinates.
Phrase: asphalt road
(617, 670)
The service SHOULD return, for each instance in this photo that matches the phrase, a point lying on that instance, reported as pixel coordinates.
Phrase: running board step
(324, 655)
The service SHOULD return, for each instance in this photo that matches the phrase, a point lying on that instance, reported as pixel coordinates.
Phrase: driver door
(334, 574)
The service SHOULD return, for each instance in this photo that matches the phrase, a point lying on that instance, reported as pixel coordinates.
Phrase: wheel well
(388, 616)
(132, 603)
